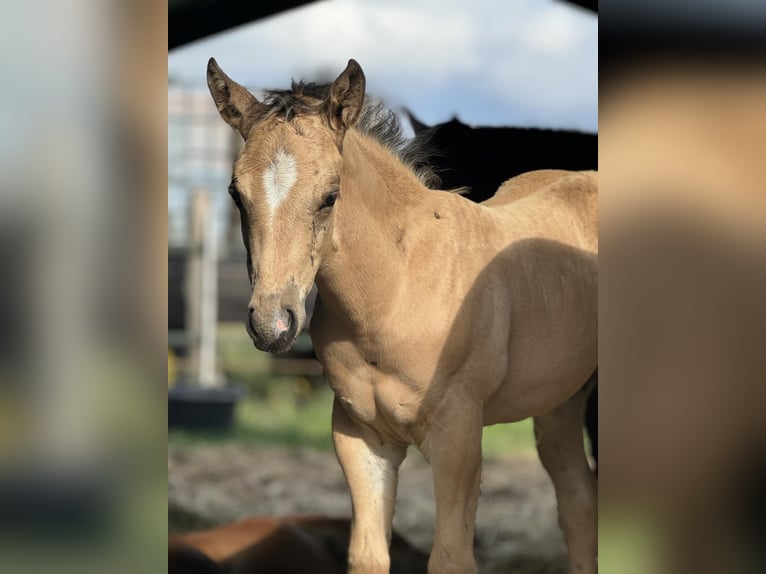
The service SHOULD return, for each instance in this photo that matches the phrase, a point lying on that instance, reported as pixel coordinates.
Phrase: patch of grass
(631, 541)
(514, 439)
(280, 418)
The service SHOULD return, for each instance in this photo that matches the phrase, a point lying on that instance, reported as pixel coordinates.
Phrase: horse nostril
(290, 317)
(284, 321)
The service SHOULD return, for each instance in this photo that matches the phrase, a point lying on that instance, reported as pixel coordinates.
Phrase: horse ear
(417, 125)
(346, 97)
(235, 104)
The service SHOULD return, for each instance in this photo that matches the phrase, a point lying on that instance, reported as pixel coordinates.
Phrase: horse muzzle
(274, 328)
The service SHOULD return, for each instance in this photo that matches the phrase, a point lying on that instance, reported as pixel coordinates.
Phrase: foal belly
(552, 350)
(524, 395)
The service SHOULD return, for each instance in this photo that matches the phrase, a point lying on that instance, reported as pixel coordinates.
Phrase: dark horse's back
(482, 158)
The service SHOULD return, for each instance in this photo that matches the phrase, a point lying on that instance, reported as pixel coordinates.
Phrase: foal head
(286, 182)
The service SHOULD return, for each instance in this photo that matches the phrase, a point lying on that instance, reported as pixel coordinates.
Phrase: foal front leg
(454, 450)
(371, 466)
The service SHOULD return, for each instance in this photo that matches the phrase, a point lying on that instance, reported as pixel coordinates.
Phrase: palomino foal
(435, 316)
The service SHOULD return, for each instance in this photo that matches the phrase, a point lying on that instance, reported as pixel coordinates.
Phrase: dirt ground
(516, 526)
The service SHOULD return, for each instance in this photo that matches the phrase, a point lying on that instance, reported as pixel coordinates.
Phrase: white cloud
(553, 32)
(490, 61)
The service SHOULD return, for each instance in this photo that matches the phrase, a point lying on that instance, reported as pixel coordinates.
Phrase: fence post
(201, 291)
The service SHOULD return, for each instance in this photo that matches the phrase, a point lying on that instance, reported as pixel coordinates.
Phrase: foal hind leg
(560, 446)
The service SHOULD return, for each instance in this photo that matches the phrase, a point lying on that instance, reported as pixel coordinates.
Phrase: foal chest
(374, 397)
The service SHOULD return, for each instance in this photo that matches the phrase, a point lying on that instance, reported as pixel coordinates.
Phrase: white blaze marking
(279, 178)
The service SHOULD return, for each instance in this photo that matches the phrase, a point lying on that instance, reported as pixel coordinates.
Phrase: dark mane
(375, 121)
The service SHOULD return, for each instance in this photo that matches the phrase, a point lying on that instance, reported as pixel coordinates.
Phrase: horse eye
(329, 200)
(234, 193)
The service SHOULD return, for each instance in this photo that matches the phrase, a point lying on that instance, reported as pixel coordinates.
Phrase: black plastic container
(193, 408)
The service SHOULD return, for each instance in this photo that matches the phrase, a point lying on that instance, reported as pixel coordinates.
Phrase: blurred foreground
(683, 277)
(82, 288)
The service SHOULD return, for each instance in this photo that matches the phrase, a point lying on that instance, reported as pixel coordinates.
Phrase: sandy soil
(516, 527)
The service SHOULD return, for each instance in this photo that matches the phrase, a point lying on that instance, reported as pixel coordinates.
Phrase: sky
(490, 62)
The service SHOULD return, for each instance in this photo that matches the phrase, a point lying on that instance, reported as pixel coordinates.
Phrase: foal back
(557, 195)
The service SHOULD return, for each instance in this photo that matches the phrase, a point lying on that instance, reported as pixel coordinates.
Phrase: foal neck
(373, 174)
(367, 261)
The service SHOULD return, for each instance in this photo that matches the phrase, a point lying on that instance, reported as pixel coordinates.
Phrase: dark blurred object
(195, 408)
(14, 298)
(291, 545)
(636, 33)
(591, 419)
(482, 158)
(48, 503)
(176, 298)
(190, 20)
(750, 509)
(591, 5)
(184, 559)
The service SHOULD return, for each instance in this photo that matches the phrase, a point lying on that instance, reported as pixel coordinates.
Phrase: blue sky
(491, 62)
